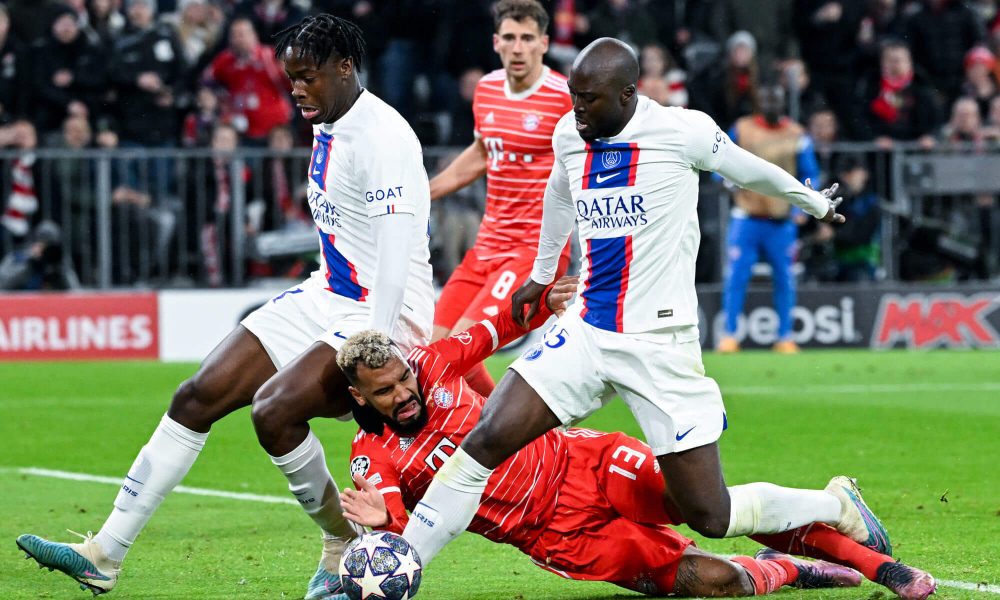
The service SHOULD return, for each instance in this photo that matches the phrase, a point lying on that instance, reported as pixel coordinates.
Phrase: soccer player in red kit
(515, 111)
(577, 502)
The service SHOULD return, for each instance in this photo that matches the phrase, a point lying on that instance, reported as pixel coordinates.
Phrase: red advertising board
(78, 326)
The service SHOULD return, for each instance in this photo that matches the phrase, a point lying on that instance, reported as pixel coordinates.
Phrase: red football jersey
(517, 132)
(520, 496)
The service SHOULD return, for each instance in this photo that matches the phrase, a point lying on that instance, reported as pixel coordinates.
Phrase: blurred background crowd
(149, 77)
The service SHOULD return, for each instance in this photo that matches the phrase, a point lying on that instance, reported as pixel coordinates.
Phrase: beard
(414, 425)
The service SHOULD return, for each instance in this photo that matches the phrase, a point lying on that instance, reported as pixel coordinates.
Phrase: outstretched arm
(756, 174)
(467, 167)
(464, 350)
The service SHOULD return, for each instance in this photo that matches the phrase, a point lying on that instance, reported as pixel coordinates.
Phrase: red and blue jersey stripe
(607, 282)
(341, 274)
(610, 165)
(320, 161)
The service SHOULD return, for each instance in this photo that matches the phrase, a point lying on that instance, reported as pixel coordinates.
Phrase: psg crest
(611, 158)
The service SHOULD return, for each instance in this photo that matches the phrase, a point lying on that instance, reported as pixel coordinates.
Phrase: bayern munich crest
(531, 122)
(443, 398)
(611, 158)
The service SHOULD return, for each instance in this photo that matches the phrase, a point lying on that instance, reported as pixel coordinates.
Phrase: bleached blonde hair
(370, 347)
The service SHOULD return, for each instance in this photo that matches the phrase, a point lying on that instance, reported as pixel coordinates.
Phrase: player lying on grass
(369, 197)
(583, 504)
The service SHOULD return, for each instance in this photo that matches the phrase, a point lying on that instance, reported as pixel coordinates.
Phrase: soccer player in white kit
(369, 196)
(627, 173)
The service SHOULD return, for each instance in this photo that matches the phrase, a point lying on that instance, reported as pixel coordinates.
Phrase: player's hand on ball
(561, 293)
(365, 506)
(831, 214)
(528, 295)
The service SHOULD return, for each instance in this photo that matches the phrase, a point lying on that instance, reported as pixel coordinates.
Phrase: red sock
(826, 543)
(767, 575)
(480, 380)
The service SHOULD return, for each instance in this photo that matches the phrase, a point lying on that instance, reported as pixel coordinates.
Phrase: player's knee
(710, 524)
(267, 413)
(192, 404)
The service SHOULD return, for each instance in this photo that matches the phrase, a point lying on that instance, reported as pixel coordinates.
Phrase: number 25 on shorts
(553, 339)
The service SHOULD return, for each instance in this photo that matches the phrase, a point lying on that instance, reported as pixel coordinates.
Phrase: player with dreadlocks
(369, 196)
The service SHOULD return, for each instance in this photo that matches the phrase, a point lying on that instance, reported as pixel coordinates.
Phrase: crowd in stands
(201, 74)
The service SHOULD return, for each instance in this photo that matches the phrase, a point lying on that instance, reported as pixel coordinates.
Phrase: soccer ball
(380, 566)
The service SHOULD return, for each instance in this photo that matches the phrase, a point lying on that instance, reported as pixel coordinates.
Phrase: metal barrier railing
(193, 217)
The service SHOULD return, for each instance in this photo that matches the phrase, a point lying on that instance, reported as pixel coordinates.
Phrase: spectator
(21, 211)
(965, 126)
(147, 68)
(980, 83)
(770, 22)
(75, 185)
(198, 125)
(827, 32)
(408, 25)
(196, 28)
(856, 242)
(104, 22)
(455, 220)
(880, 22)
(209, 198)
(269, 16)
(804, 98)
(895, 103)
(30, 20)
(256, 85)
(69, 74)
(660, 78)
(13, 90)
(39, 264)
(283, 200)
(462, 123)
(730, 92)
(824, 131)
(940, 34)
(627, 20)
(991, 128)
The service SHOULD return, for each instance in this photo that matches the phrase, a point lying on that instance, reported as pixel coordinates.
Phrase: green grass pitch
(921, 431)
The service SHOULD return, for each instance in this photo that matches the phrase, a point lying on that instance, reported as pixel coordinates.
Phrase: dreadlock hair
(322, 36)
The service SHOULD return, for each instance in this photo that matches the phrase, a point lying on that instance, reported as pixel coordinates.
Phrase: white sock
(310, 482)
(162, 464)
(448, 505)
(768, 508)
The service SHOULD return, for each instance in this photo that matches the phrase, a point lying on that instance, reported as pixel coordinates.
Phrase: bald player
(626, 171)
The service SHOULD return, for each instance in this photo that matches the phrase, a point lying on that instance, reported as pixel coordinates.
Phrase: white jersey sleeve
(707, 145)
(558, 217)
(392, 173)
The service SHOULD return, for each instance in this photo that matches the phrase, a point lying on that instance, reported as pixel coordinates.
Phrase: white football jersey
(367, 164)
(636, 200)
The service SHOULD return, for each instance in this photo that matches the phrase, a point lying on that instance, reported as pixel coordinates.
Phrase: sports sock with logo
(162, 464)
(480, 380)
(767, 575)
(768, 508)
(310, 482)
(448, 505)
(826, 543)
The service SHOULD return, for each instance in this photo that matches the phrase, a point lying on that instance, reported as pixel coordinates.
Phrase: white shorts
(293, 320)
(577, 368)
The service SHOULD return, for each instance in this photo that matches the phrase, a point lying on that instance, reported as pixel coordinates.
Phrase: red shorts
(610, 519)
(480, 288)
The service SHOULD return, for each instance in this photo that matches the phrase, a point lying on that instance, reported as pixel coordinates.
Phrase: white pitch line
(883, 388)
(974, 587)
(181, 489)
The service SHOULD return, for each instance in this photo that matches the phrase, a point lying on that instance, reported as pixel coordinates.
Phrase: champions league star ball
(380, 566)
